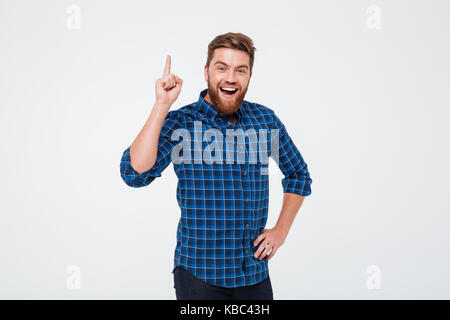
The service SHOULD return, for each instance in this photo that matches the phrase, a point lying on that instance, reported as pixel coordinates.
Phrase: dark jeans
(188, 287)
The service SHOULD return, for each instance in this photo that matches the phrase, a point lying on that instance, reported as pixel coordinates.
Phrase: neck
(207, 98)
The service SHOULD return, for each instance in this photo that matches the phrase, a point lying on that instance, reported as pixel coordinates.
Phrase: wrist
(161, 106)
(282, 228)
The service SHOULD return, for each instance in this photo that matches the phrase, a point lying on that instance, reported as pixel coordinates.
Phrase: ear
(206, 74)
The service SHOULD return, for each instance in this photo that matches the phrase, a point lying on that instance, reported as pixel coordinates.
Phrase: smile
(228, 92)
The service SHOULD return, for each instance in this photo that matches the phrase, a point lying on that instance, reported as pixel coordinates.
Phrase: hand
(271, 239)
(168, 87)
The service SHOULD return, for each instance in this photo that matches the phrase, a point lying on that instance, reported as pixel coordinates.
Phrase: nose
(230, 77)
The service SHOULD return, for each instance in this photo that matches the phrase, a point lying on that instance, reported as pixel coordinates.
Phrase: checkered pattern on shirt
(223, 206)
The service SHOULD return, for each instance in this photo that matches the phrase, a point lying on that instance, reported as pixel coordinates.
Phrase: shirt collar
(211, 110)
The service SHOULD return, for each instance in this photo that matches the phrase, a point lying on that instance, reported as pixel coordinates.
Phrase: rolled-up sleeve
(290, 161)
(134, 179)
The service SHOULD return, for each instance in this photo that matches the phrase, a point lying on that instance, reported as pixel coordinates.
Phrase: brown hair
(232, 40)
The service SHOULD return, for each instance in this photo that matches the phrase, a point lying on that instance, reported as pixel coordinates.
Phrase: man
(222, 249)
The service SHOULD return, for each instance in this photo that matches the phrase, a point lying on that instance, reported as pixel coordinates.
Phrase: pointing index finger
(167, 66)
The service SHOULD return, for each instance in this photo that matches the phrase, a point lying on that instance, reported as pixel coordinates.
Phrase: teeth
(229, 89)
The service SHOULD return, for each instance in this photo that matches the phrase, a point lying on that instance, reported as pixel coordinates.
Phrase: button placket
(244, 182)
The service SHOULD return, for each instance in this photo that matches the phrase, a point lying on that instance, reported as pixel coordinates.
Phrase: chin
(226, 105)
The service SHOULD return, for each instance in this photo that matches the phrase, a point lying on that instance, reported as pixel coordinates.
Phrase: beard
(227, 107)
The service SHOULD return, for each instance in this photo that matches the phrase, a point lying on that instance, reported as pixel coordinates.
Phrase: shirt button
(246, 225)
(246, 199)
(246, 250)
(245, 173)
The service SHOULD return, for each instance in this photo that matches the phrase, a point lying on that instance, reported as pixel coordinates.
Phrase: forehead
(231, 57)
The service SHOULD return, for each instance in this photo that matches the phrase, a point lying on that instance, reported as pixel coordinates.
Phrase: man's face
(229, 68)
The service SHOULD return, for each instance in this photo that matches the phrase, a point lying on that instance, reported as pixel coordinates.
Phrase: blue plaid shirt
(223, 205)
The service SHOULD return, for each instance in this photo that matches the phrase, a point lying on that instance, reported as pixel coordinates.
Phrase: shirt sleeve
(165, 144)
(291, 163)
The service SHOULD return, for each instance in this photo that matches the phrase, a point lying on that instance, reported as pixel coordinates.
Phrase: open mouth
(228, 92)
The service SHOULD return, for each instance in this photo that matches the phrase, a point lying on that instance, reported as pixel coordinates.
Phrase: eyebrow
(241, 66)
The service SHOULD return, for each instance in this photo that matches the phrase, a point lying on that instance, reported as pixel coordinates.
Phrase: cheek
(243, 81)
(243, 84)
(215, 79)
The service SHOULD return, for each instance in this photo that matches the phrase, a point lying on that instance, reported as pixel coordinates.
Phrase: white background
(367, 108)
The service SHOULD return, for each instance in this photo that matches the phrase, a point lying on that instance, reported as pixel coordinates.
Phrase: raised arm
(144, 150)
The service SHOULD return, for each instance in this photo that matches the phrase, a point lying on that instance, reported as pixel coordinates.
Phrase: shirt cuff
(301, 187)
(132, 177)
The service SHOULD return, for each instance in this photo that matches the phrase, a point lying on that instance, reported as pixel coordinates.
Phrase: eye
(220, 68)
(242, 70)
